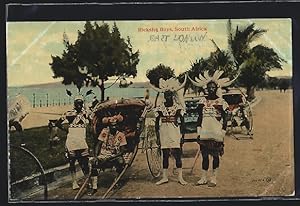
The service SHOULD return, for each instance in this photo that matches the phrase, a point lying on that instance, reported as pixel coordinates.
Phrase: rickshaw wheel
(153, 152)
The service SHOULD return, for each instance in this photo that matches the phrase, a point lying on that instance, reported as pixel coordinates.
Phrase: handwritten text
(180, 38)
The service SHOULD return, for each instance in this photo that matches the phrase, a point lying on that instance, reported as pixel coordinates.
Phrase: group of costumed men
(112, 144)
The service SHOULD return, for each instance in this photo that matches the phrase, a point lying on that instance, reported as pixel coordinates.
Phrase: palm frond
(216, 46)
(256, 34)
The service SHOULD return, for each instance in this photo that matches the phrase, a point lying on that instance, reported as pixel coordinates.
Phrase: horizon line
(45, 83)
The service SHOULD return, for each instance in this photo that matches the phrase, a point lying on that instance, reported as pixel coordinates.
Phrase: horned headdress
(169, 85)
(202, 81)
(172, 85)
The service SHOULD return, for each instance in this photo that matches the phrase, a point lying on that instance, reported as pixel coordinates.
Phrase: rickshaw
(138, 127)
(240, 117)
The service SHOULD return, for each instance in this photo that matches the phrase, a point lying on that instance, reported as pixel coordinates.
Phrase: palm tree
(252, 61)
(239, 42)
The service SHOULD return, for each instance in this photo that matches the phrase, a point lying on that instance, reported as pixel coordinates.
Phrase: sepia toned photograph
(149, 109)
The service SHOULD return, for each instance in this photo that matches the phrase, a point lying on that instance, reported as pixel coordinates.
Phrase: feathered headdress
(171, 84)
(79, 96)
(202, 81)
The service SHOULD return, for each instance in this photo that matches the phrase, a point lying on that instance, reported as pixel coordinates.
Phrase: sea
(55, 94)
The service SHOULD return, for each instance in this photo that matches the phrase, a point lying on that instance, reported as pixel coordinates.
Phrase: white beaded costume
(76, 138)
(212, 120)
(169, 130)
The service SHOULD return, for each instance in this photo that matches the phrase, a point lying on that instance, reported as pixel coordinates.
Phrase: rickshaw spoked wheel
(153, 152)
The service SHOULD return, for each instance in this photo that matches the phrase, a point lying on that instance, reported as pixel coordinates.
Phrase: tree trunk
(250, 93)
(102, 89)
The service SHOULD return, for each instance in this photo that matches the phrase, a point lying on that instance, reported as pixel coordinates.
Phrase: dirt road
(263, 166)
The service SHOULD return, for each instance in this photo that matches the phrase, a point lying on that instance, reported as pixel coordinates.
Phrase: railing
(47, 102)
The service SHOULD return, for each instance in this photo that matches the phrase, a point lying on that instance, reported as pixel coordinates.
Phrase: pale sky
(31, 44)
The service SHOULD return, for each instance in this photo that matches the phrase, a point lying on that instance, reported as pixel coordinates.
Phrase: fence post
(33, 100)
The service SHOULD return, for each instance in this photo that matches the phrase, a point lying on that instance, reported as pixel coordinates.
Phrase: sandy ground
(40, 116)
(263, 166)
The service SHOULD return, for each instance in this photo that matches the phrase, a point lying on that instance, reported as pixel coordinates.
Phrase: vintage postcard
(150, 109)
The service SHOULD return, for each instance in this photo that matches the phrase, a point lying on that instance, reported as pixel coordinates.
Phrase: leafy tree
(160, 71)
(263, 84)
(253, 61)
(97, 54)
(272, 82)
(67, 67)
(261, 60)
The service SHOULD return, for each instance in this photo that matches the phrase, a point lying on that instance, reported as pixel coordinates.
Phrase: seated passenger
(110, 149)
(241, 118)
